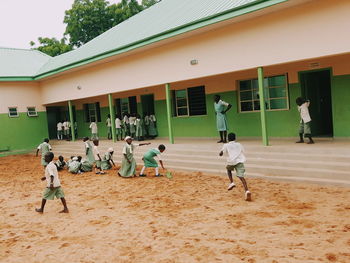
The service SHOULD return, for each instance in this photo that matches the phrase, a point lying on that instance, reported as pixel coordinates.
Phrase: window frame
(9, 112)
(35, 114)
(266, 91)
(182, 107)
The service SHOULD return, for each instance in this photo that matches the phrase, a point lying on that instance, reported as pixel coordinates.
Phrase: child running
(235, 161)
(128, 167)
(149, 161)
(44, 148)
(53, 188)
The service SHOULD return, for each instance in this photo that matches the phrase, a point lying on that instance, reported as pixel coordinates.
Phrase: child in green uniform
(139, 128)
(98, 159)
(118, 128)
(128, 167)
(60, 163)
(53, 188)
(152, 128)
(44, 148)
(107, 160)
(149, 161)
(88, 150)
(75, 165)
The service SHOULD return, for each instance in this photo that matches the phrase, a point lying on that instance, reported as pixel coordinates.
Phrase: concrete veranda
(327, 161)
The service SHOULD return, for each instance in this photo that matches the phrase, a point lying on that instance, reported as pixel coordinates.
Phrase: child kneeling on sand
(149, 161)
(235, 161)
(53, 188)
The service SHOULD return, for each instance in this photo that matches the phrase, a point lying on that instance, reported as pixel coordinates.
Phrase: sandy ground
(190, 218)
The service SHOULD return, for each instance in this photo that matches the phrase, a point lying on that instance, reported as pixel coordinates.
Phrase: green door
(147, 102)
(53, 117)
(316, 87)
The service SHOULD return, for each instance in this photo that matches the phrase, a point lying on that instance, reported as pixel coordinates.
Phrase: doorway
(316, 87)
(147, 102)
(55, 115)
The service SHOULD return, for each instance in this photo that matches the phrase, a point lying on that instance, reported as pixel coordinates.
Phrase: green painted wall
(341, 105)
(23, 132)
(280, 123)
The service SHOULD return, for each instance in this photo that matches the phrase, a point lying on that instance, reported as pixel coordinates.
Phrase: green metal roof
(163, 20)
(21, 62)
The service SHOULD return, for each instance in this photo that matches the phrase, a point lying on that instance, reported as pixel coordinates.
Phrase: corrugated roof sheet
(160, 18)
(21, 62)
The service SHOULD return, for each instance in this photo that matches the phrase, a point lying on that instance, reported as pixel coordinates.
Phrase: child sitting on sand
(107, 161)
(149, 161)
(128, 167)
(74, 166)
(235, 161)
(60, 163)
(53, 188)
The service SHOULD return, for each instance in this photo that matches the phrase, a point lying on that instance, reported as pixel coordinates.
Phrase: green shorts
(239, 167)
(305, 128)
(50, 194)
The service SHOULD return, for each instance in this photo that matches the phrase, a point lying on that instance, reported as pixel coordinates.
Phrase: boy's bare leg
(65, 208)
(232, 184)
(41, 209)
(244, 182)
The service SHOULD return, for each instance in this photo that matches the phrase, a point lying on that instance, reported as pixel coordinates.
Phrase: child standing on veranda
(149, 161)
(128, 167)
(44, 148)
(53, 188)
(109, 127)
(94, 130)
(60, 130)
(235, 161)
(118, 128)
(305, 120)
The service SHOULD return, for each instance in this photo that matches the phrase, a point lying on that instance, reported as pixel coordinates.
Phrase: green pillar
(262, 106)
(168, 110)
(71, 119)
(112, 113)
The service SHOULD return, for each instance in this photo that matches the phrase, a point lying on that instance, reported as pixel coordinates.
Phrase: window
(31, 112)
(189, 102)
(128, 105)
(13, 112)
(92, 112)
(275, 92)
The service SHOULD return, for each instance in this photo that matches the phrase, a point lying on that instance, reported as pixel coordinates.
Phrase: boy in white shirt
(60, 130)
(109, 127)
(98, 159)
(118, 128)
(235, 161)
(53, 188)
(94, 130)
(305, 120)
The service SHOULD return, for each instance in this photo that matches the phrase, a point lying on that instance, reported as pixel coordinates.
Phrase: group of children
(132, 125)
(64, 130)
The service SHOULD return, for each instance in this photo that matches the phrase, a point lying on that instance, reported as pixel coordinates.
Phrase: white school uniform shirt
(51, 169)
(132, 120)
(126, 119)
(59, 126)
(152, 118)
(42, 144)
(93, 127)
(118, 123)
(96, 153)
(235, 153)
(304, 112)
(130, 146)
(108, 122)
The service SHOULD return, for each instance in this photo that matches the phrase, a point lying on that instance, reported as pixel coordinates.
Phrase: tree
(148, 3)
(52, 46)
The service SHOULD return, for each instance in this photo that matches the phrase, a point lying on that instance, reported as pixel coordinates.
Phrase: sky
(22, 21)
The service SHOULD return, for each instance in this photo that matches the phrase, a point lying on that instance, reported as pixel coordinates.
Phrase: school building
(172, 58)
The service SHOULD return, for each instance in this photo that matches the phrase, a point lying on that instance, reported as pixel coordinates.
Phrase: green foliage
(88, 19)
(52, 46)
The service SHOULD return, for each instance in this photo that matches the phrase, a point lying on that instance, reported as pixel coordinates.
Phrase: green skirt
(86, 166)
(106, 165)
(128, 169)
(150, 162)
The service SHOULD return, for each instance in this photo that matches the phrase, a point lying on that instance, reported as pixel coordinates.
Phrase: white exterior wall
(20, 95)
(312, 30)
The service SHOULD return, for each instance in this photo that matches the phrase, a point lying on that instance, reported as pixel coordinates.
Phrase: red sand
(191, 218)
